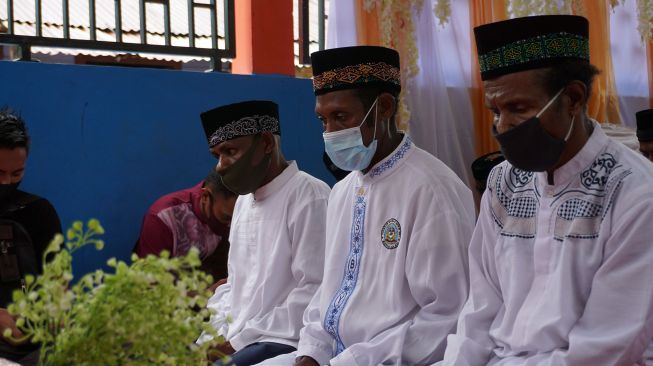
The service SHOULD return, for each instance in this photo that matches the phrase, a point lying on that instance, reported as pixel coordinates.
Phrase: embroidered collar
(584, 158)
(391, 160)
(277, 183)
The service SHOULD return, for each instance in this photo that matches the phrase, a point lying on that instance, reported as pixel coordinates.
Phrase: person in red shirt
(194, 217)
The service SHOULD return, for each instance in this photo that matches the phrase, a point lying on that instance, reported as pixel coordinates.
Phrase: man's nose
(504, 124)
(222, 166)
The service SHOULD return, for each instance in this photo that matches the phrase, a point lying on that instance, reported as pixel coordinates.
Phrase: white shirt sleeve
(306, 229)
(220, 306)
(314, 341)
(436, 271)
(471, 345)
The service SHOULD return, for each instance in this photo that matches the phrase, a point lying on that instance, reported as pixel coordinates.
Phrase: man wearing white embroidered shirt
(398, 226)
(277, 234)
(561, 257)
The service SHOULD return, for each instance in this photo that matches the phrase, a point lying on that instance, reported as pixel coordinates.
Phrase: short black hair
(558, 76)
(13, 133)
(214, 181)
(368, 94)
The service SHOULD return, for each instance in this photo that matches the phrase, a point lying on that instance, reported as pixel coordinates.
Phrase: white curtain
(438, 97)
(629, 62)
(341, 27)
(442, 121)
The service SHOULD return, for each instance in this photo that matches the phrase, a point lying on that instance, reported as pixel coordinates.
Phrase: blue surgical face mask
(346, 148)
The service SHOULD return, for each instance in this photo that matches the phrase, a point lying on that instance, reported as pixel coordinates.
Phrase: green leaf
(110, 318)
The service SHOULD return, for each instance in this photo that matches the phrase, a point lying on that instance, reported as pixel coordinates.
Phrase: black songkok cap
(240, 119)
(645, 125)
(530, 43)
(356, 67)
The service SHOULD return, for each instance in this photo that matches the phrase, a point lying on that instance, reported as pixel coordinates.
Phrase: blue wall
(107, 141)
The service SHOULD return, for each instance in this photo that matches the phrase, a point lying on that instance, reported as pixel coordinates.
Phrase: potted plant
(149, 312)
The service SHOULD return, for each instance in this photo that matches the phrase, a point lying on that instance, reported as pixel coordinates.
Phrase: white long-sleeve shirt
(275, 261)
(562, 274)
(395, 274)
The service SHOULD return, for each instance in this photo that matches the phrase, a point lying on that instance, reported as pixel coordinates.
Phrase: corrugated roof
(52, 15)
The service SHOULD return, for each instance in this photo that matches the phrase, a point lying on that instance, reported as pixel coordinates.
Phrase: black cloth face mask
(529, 147)
(244, 178)
(8, 190)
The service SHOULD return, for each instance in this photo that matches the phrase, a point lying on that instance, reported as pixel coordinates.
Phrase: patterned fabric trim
(245, 126)
(352, 266)
(357, 74)
(596, 176)
(548, 46)
(514, 207)
(577, 207)
(388, 164)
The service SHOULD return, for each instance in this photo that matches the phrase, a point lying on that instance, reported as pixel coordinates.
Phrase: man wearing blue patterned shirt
(398, 226)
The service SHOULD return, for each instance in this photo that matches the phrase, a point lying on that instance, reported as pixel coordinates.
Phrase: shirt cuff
(345, 358)
(315, 351)
(237, 342)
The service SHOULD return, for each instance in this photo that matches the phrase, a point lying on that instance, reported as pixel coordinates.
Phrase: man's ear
(206, 194)
(577, 93)
(269, 142)
(387, 106)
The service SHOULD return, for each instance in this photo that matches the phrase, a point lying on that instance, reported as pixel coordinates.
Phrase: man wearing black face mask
(560, 260)
(27, 225)
(645, 132)
(277, 234)
(195, 217)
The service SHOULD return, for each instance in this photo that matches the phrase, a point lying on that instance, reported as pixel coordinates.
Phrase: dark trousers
(257, 352)
(25, 355)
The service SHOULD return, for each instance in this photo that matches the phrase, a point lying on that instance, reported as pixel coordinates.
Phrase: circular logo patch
(391, 234)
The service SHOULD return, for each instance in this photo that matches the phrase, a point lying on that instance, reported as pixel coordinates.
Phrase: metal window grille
(26, 42)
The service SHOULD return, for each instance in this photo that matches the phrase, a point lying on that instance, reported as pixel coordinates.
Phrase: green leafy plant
(147, 313)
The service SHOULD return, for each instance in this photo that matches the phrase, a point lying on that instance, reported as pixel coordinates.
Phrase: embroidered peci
(357, 74)
(548, 46)
(245, 126)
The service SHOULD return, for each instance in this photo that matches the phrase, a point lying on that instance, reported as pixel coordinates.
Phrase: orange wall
(264, 37)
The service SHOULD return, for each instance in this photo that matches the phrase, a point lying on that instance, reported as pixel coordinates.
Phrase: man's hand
(214, 286)
(218, 351)
(305, 361)
(8, 321)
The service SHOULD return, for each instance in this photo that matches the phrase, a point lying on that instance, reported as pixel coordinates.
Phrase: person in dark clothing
(27, 225)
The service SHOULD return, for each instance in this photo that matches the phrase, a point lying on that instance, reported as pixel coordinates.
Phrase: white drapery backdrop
(438, 96)
(629, 62)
